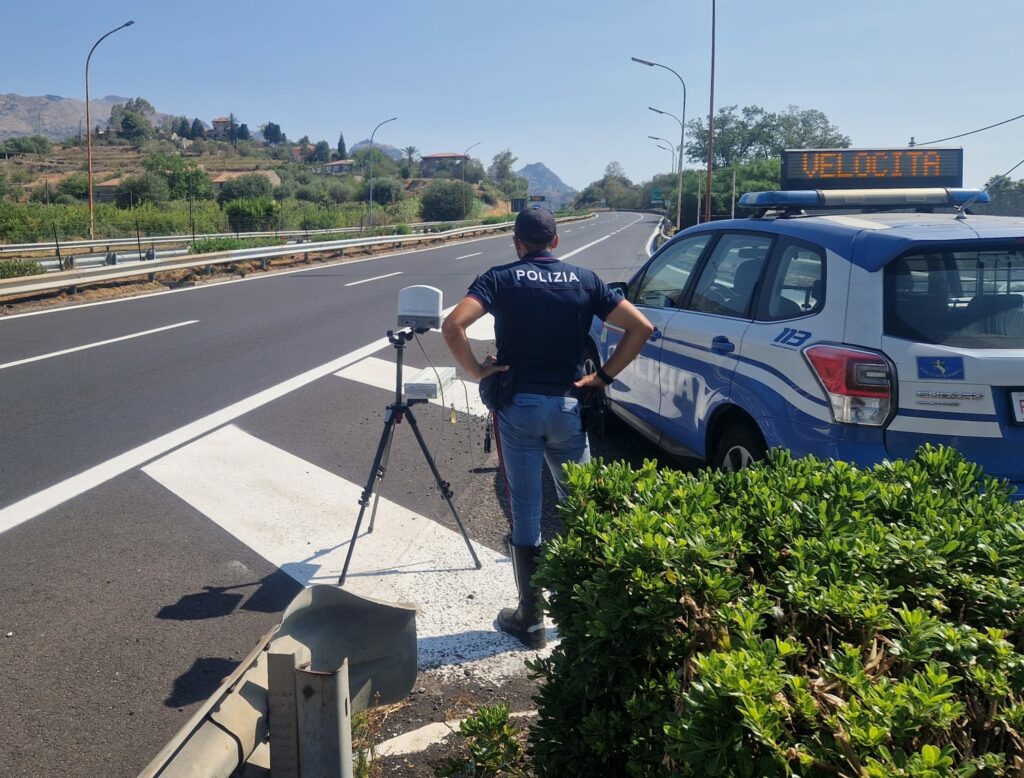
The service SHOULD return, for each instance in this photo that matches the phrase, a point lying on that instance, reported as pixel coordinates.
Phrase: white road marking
(301, 517)
(97, 344)
(595, 242)
(49, 498)
(381, 374)
(467, 256)
(375, 278)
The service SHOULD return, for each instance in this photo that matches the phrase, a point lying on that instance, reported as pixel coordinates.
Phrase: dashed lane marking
(97, 344)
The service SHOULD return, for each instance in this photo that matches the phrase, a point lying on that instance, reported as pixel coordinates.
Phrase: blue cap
(535, 226)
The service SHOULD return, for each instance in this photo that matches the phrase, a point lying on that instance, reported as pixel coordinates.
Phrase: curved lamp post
(670, 147)
(88, 120)
(369, 203)
(682, 133)
(465, 160)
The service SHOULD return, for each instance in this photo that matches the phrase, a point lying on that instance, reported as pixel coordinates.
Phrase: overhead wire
(972, 132)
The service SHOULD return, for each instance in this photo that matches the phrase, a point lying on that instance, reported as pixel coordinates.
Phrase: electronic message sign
(910, 168)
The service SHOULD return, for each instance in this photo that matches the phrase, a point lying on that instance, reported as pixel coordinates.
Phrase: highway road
(174, 467)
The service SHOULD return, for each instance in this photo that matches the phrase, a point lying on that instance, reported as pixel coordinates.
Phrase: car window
(796, 287)
(662, 283)
(953, 297)
(727, 282)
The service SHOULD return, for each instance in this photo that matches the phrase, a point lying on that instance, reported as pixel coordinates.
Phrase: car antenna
(961, 210)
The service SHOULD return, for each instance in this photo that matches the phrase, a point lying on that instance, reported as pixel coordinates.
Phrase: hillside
(544, 182)
(54, 117)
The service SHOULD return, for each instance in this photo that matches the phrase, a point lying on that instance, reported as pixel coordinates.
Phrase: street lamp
(88, 121)
(682, 133)
(465, 159)
(369, 204)
(669, 147)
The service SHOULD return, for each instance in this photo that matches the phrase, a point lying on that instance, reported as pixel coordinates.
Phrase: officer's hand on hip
(489, 367)
(590, 381)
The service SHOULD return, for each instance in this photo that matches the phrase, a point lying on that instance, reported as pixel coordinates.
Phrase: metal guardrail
(7, 249)
(71, 279)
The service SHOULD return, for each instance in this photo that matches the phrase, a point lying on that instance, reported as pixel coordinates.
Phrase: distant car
(855, 337)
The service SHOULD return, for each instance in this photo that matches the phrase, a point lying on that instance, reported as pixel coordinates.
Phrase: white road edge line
(35, 505)
(574, 252)
(97, 344)
(375, 278)
(467, 256)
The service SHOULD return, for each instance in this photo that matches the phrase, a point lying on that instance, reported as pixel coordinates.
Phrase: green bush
(798, 618)
(210, 245)
(15, 268)
(445, 200)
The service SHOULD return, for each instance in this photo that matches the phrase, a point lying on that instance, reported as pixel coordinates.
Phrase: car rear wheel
(740, 445)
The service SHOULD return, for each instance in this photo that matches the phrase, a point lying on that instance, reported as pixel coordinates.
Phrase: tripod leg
(375, 472)
(442, 485)
(381, 471)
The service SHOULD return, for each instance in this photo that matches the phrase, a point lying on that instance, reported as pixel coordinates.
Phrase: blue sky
(551, 81)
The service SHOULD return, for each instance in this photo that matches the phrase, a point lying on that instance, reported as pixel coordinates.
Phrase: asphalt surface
(121, 605)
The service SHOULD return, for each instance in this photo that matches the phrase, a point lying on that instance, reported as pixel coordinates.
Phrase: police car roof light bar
(861, 198)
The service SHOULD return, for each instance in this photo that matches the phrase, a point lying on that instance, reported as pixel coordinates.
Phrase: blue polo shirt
(542, 310)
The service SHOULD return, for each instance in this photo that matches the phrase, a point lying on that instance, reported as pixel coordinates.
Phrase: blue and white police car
(852, 324)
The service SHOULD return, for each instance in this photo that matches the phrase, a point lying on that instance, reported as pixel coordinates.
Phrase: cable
(972, 132)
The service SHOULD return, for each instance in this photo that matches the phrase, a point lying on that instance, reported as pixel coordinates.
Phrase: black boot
(525, 623)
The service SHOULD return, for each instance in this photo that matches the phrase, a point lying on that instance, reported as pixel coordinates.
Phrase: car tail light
(859, 383)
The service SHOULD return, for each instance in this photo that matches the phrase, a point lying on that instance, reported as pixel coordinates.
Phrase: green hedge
(798, 618)
(16, 268)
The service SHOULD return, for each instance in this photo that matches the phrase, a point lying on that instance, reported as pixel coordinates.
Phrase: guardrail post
(283, 711)
(264, 263)
(324, 716)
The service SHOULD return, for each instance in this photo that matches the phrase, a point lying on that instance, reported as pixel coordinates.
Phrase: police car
(858, 335)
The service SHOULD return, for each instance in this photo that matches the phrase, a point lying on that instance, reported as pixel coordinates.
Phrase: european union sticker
(941, 368)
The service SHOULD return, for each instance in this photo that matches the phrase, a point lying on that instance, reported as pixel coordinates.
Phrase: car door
(702, 340)
(656, 291)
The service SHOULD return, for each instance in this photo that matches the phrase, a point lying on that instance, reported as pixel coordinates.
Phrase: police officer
(542, 310)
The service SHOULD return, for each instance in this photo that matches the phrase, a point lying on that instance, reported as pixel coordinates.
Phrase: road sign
(537, 198)
(518, 204)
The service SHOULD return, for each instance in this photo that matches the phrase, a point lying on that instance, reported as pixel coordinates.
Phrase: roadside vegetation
(798, 618)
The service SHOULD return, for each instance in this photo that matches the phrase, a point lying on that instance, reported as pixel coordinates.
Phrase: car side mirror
(618, 286)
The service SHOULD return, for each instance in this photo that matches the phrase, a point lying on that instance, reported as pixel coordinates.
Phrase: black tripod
(392, 416)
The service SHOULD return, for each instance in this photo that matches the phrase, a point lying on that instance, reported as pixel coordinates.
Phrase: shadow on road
(272, 595)
(199, 681)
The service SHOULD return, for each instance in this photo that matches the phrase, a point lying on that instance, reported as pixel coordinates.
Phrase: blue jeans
(536, 428)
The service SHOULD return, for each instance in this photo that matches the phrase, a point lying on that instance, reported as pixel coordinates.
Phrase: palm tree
(410, 154)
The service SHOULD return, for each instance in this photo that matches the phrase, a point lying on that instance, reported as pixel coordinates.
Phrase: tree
(136, 190)
(183, 128)
(503, 176)
(29, 144)
(232, 130)
(754, 133)
(135, 126)
(321, 152)
(183, 178)
(272, 133)
(446, 200)
(386, 190)
(251, 214)
(243, 132)
(76, 185)
(383, 165)
(342, 151)
(252, 186)
(614, 170)
(198, 130)
(411, 152)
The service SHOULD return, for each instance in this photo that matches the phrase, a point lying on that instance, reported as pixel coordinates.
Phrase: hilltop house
(339, 167)
(431, 164)
(223, 178)
(221, 128)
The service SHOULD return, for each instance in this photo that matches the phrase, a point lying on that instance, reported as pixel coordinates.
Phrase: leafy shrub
(498, 219)
(15, 268)
(251, 214)
(446, 200)
(798, 618)
(210, 245)
(495, 747)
